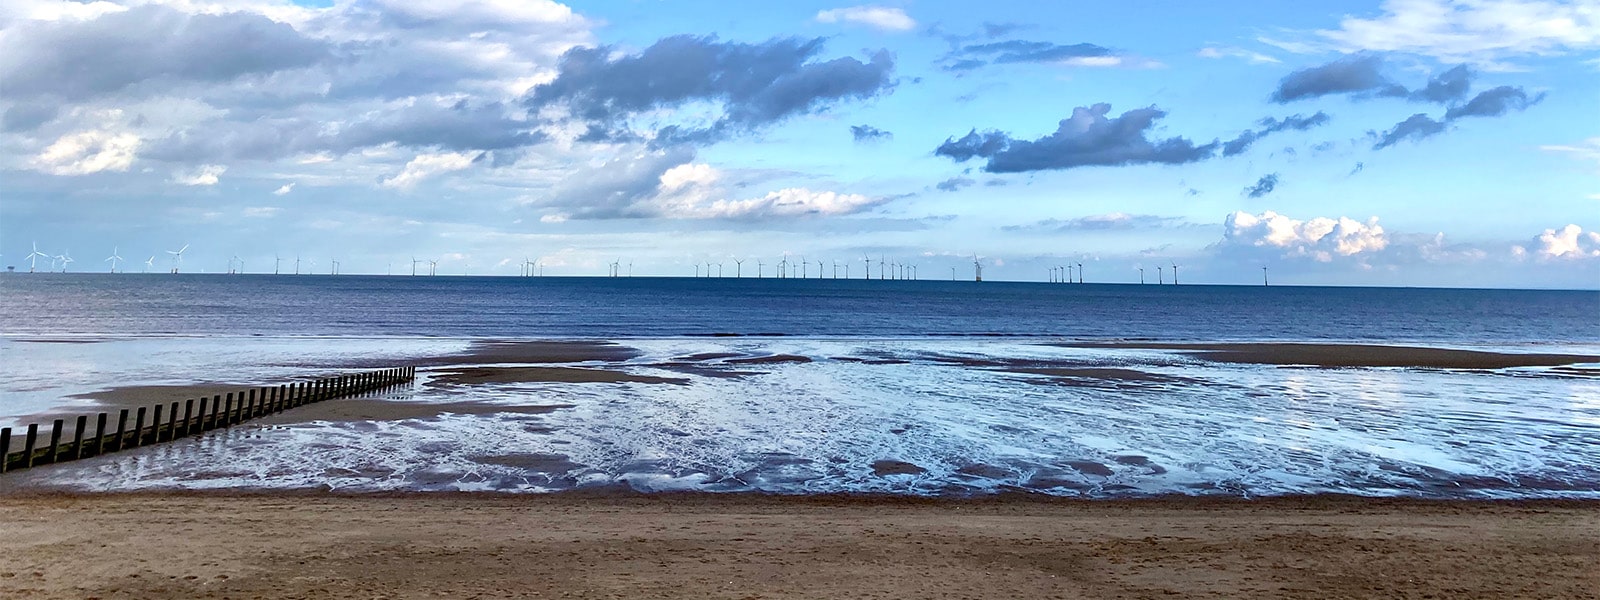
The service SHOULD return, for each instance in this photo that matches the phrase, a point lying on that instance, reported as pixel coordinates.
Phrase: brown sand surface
(313, 545)
(481, 375)
(1352, 355)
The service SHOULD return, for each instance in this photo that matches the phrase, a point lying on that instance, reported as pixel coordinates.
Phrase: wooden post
(255, 407)
(188, 415)
(138, 428)
(200, 417)
(55, 441)
(227, 411)
(216, 405)
(172, 423)
(100, 434)
(5, 448)
(77, 438)
(122, 428)
(155, 425)
(249, 411)
(28, 444)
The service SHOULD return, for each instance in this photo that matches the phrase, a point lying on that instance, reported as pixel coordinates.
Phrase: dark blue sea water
(668, 307)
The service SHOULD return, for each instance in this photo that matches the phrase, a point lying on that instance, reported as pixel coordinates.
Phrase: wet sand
(1351, 355)
(482, 375)
(315, 545)
(535, 352)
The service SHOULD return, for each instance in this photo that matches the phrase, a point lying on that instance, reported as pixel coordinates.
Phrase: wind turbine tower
(33, 259)
(1174, 273)
(977, 268)
(114, 259)
(177, 258)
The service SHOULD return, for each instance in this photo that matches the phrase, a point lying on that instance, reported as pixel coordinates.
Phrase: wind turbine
(33, 259)
(297, 264)
(977, 268)
(868, 260)
(149, 263)
(881, 261)
(177, 258)
(114, 259)
(803, 267)
(241, 264)
(759, 265)
(1141, 275)
(66, 259)
(1264, 277)
(1080, 273)
(1160, 279)
(433, 267)
(1174, 273)
(277, 263)
(738, 268)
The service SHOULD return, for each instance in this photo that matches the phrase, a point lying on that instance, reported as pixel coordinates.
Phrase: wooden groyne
(199, 416)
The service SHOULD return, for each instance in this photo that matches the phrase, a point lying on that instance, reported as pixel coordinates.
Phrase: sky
(1388, 143)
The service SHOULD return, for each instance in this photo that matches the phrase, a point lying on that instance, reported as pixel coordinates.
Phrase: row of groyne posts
(215, 412)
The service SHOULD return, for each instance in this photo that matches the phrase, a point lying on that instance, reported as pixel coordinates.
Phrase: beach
(620, 545)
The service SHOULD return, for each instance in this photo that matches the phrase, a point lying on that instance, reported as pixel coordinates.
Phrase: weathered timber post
(122, 428)
(5, 448)
(100, 434)
(78, 448)
(28, 444)
(172, 423)
(200, 417)
(216, 405)
(155, 425)
(55, 441)
(188, 415)
(255, 408)
(227, 412)
(138, 428)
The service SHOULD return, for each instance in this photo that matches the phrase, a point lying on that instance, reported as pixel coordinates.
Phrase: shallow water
(914, 415)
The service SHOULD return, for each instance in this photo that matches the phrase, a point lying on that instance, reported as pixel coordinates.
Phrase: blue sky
(1407, 142)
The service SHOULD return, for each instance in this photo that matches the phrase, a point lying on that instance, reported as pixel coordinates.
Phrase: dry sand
(1353, 355)
(312, 545)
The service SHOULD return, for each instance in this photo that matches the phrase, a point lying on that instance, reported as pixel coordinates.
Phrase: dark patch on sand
(482, 375)
(1088, 467)
(537, 352)
(884, 468)
(769, 360)
(1097, 373)
(1352, 355)
(708, 356)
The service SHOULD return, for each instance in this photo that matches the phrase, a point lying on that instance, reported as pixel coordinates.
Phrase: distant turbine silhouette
(114, 259)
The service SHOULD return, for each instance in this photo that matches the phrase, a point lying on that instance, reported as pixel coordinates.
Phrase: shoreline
(325, 545)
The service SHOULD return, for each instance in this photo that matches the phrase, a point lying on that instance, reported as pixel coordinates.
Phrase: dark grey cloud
(1416, 127)
(868, 133)
(1270, 126)
(1493, 103)
(1449, 86)
(1351, 74)
(756, 84)
(1489, 103)
(1263, 186)
(458, 127)
(955, 183)
(1087, 138)
(973, 56)
(75, 60)
(28, 116)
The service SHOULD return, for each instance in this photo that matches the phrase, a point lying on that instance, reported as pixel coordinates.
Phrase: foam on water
(923, 416)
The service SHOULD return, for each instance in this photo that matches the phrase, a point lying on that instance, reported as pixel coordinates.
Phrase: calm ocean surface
(52, 304)
(911, 387)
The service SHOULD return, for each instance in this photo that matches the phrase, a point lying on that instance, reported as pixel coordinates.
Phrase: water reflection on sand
(913, 416)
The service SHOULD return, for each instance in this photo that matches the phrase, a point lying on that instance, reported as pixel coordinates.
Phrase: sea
(901, 387)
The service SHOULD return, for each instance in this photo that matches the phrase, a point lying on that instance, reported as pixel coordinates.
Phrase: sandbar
(1350, 355)
(591, 545)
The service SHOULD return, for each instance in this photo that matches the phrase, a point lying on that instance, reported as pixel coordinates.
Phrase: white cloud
(1481, 31)
(887, 19)
(287, 187)
(1230, 52)
(202, 175)
(1588, 149)
(689, 174)
(428, 165)
(88, 152)
(261, 212)
(1321, 239)
(1567, 243)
